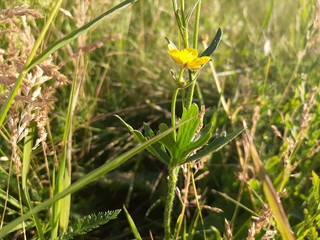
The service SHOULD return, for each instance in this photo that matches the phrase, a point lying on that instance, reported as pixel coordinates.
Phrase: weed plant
(68, 67)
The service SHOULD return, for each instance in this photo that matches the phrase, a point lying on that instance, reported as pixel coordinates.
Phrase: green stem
(172, 181)
(196, 25)
(174, 5)
(184, 25)
(174, 101)
(190, 90)
(173, 111)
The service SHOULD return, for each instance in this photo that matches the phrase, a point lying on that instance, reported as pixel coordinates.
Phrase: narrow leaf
(78, 32)
(267, 16)
(213, 45)
(168, 140)
(132, 225)
(157, 149)
(215, 145)
(197, 144)
(270, 193)
(27, 150)
(137, 134)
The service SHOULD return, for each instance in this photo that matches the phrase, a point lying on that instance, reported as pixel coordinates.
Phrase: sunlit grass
(127, 72)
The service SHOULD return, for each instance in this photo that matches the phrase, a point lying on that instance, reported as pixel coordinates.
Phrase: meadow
(160, 119)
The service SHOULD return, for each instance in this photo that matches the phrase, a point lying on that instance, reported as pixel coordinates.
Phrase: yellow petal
(176, 55)
(197, 63)
(192, 52)
(188, 58)
(188, 55)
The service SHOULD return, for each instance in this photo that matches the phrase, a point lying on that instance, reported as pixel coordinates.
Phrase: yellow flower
(188, 58)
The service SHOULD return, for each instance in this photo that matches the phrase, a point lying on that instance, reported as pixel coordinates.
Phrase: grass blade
(31, 61)
(73, 35)
(132, 225)
(215, 145)
(87, 179)
(271, 195)
(27, 150)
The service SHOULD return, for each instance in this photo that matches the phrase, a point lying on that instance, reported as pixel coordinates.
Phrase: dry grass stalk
(228, 230)
(33, 102)
(9, 14)
(264, 221)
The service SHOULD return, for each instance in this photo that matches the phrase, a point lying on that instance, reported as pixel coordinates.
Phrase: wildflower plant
(42, 139)
(194, 139)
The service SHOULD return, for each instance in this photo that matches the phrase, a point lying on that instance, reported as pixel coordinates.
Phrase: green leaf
(137, 134)
(215, 145)
(316, 186)
(132, 225)
(271, 195)
(213, 45)
(168, 140)
(204, 137)
(157, 149)
(267, 16)
(187, 131)
(88, 224)
(80, 31)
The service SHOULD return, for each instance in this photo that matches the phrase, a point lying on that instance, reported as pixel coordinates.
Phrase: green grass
(276, 93)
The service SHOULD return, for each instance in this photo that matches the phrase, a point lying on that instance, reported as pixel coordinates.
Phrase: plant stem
(184, 202)
(173, 111)
(196, 25)
(174, 101)
(184, 29)
(190, 90)
(172, 181)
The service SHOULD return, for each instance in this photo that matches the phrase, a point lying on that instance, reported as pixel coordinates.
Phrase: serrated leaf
(168, 140)
(88, 223)
(157, 149)
(187, 131)
(200, 140)
(215, 145)
(213, 45)
(196, 145)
